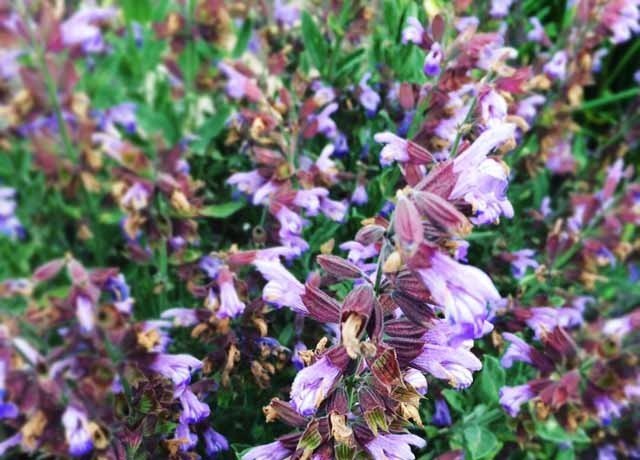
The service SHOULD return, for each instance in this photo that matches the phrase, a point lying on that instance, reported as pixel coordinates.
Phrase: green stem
(608, 99)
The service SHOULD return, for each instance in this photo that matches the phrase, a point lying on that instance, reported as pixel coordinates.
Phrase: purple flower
(324, 122)
(545, 319)
(282, 288)
(312, 384)
(369, 99)
(309, 199)
(392, 446)
(462, 291)
(482, 182)
(358, 252)
(618, 327)
(500, 8)
(80, 29)
(290, 221)
(528, 107)
(537, 33)
(211, 266)
(85, 312)
(622, 18)
(334, 210)
(193, 410)
(442, 416)
(187, 439)
(607, 452)
(465, 22)
(10, 225)
(230, 304)
(286, 14)
(214, 442)
(395, 149)
(511, 398)
(122, 114)
(556, 68)
(433, 60)
(136, 197)
(323, 94)
(9, 65)
(238, 84)
(416, 379)
(518, 350)
(183, 317)
(7, 410)
(176, 368)
(413, 31)
(296, 360)
(247, 182)
(10, 442)
(445, 359)
(273, 451)
(76, 432)
(359, 195)
(493, 109)
(607, 408)
(522, 260)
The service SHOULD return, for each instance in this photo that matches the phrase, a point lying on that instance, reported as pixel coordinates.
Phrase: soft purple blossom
(282, 288)
(76, 431)
(528, 107)
(214, 442)
(537, 33)
(464, 22)
(238, 84)
(395, 148)
(413, 31)
(312, 384)
(187, 439)
(309, 199)
(7, 410)
(441, 416)
(598, 56)
(369, 99)
(618, 327)
(10, 225)
(81, 28)
(391, 446)
(607, 452)
(183, 317)
(522, 260)
(545, 319)
(359, 252)
(324, 122)
(286, 13)
(9, 65)
(359, 195)
(10, 442)
(273, 451)
(462, 291)
(556, 68)
(607, 409)
(176, 368)
(333, 209)
(511, 398)
(230, 304)
(445, 359)
(211, 266)
(517, 351)
(136, 197)
(86, 314)
(500, 8)
(247, 182)
(122, 114)
(417, 380)
(622, 18)
(482, 181)
(193, 410)
(493, 109)
(432, 60)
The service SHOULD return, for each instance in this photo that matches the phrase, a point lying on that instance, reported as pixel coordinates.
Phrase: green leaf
(480, 442)
(210, 129)
(454, 399)
(137, 10)
(243, 38)
(221, 211)
(314, 42)
(491, 379)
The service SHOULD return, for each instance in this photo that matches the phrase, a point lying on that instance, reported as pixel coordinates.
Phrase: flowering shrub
(306, 230)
